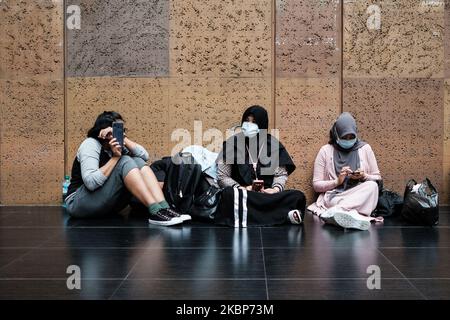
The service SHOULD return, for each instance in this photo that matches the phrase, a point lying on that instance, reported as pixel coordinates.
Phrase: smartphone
(118, 132)
(355, 173)
(257, 185)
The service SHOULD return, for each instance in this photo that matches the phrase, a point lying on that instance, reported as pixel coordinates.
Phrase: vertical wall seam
(341, 43)
(445, 183)
(2, 102)
(65, 86)
(274, 63)
(169, 81)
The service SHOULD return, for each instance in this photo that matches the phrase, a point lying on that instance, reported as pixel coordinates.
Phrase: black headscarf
(239, 150)
(344, 125)
(260, 116)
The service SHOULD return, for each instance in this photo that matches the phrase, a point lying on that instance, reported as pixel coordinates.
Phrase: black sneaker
(162, 218)
(171, 212)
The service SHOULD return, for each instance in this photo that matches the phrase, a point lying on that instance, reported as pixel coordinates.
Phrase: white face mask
(249, 129)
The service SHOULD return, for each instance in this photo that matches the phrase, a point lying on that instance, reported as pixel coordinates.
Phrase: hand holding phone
(115, 147)
(357, 174)
(118, 132)
(257, 185)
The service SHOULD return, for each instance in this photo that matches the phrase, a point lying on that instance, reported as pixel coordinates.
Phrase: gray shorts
(110, 198)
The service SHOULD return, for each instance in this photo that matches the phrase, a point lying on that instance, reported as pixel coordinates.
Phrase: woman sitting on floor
(253, 167)
(345, 175)
(105, 177)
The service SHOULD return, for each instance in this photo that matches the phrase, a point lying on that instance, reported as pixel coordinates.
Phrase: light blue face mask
(346, 144)
(249, 129)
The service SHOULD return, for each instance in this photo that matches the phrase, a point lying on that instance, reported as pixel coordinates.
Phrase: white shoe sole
(185, 217)
(347, 221)
(171, 222)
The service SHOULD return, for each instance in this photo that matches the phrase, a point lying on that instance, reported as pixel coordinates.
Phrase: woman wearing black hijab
(253, 167)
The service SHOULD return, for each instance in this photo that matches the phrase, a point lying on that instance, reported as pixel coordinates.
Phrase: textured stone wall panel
(31, 39)
(220, 38)
(446, 163)
(31, 102)
(142, 102)
(119, 38)
(308, 38)
(408, 45)
(447, 39)
(306, 109)
(32, 150)
(217, 103)
(402, 119)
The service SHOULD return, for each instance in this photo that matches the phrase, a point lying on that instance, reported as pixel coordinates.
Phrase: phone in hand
(257, 185)
(118, 132)
(355, 173)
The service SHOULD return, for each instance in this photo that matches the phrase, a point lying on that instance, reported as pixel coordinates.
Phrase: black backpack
(389, 202)
(180, 183)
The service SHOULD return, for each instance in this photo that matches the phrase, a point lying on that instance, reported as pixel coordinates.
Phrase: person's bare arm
(117, 153)
(89, 157)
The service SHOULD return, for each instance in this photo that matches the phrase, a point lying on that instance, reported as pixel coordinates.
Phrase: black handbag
(206, 201)
(389, 203)
(205, 206)
(421, 203)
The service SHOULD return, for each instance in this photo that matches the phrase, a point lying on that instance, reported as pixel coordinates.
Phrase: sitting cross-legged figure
(345, 175)
(253, 168)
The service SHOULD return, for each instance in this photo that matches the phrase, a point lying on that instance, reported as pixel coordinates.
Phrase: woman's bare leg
(152, 183)
(134, 181)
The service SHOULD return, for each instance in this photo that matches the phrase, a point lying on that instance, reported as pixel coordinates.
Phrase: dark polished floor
(125, 258)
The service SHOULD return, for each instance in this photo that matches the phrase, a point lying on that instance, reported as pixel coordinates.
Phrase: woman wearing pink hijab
(345, 175)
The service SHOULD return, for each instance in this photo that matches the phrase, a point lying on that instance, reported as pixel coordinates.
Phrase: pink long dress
(363, 198)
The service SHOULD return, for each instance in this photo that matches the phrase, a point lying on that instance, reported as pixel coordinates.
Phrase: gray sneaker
(349, 221)
(342, 218)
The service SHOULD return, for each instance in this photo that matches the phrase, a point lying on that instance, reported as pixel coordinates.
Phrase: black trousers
(247, 208)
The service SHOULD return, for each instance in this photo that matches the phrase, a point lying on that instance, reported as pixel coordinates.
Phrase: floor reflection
(125, 257)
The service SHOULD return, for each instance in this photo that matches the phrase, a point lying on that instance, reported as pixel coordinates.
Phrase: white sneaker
(328, 216)
(350, 221)
(295, 216)
(330, 213)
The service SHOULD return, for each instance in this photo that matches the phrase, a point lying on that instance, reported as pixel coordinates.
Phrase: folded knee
(125, 159)
(372, 185)
(139, 162)
(125, 165)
